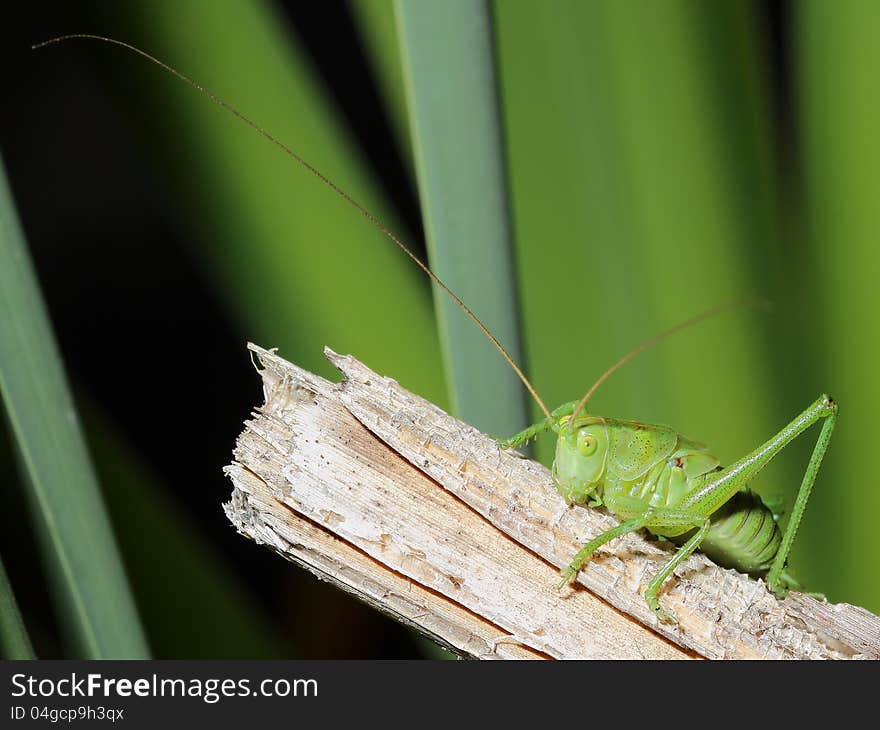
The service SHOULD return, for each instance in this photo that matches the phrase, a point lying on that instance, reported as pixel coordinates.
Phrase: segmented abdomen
(744, 535)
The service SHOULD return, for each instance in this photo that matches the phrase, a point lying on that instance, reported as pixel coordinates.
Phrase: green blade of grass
(89, 584)
(14, 640)
(449, 71)
(836, 57)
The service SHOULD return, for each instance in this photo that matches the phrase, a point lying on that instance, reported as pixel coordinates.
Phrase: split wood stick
(422, 516)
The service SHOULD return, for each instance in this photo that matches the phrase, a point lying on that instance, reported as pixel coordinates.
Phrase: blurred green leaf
(14, 640)
(451, 89)
(89, 585)
(836, 57)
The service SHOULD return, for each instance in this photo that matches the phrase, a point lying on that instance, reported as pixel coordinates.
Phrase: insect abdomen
(743, 535)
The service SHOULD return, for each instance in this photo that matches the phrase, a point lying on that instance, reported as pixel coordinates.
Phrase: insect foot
(524, 436)
(663, 617)
(568, 575)
(780, 590)
(506, 443)
(786, 583)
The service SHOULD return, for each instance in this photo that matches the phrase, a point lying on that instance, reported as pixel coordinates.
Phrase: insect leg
(583, 555)
(673, 518)
(716, 488)
(776, 578)
(566, 409)
(524, 436)
(536, 429)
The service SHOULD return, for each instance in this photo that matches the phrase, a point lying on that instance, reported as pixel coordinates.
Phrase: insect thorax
(628, 466)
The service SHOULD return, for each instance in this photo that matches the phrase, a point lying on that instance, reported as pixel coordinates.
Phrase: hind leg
(777, 580)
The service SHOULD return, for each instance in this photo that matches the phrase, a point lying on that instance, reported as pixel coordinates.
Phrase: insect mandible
(648, 476)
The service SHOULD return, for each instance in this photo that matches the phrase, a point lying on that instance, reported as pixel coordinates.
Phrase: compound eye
(587, 444)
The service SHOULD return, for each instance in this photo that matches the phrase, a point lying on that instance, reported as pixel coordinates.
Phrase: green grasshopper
(648, 476)
(651, 477)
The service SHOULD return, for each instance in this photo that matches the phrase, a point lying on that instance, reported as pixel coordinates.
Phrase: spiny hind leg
(536, 429)
(778, 580)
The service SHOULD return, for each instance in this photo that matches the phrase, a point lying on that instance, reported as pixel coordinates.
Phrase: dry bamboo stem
(449, 534)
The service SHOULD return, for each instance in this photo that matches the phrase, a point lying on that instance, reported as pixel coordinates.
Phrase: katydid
(648, 476)
(651, 477)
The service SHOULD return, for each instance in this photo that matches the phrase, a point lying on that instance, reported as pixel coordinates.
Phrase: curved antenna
(324, 179)
(709, 313)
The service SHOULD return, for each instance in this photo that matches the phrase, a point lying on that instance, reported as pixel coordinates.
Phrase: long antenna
(714, 311)
(324, 179)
